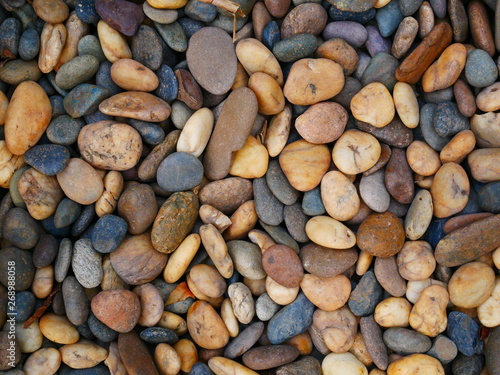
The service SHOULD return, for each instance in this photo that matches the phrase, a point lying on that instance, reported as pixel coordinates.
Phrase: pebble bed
(310, 189)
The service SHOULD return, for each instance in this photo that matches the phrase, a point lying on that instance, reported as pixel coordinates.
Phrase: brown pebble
(413, 67)
(482, 34)
(387, 273)
(277, 8)
(135, 354)
(381, 234)
(322, 122)
(385, 155)
(459, 22)
(425, 19)
(326, 262)
(226, 195)
(189, 90)
(465, 98)
(405, 35)
(119, 309)
(399, 177)
(308, 18)
(372, 336)
(283, 265)
(461, 221)
(266, 357)
(341, 52)
(261, 17)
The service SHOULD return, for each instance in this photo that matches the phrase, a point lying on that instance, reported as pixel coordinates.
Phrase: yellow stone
(445, 71)
(373, 104)
(251, 161)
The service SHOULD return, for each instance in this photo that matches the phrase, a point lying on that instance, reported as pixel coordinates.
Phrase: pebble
(405, 35)
(86, 264)
(463, 331)
(58, 329)
(77, 70)
(342, 363)
(468, 364)
(439, 76)
(366, 295)
(491, 352)
(141, 361)
(372, 337)
(206, 327)
(388, 18)
(350, 31)
(450, 190)
(373, 95)
(414, 364)
(480, 69)
(266, 357)
(428, 315)
(118, 309)
(405, 341)
(48, 159)
(179, 171)
(381, 235)
(20, 229)
(124, 16)
(387, 273)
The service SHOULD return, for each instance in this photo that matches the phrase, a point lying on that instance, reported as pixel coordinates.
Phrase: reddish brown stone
(135, 354)
(325, 262)
(305, 18)
(414, 66)
(399, 177)
(189, 90)
(119, 309)
(468, 243)
(381, 234)
(466, 101)
(266, 357)
(387, 274)
(228, 194)
(283, 265)
(277, 8)
(461, 221)
(482, 34)
(385, 155)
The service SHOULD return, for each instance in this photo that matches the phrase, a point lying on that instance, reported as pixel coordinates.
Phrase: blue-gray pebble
(156, 335)
(103, 79)
(312, 204)
(269, 209)
(108, 233)
(200, 11)
(146, 47)
(173, 34)
(24, 306)
(179, 171)
(199, 368)
(24, 272)
(464, 332)
(344, 15)
(64, 130)
(467, 365)
(381, 68)
(100, 330)
(189, 26)
(271, 35)
(480, 69)
(448, 120)
(489, 197)
(85, 11)
(406, 341)
(84, 99)
(429, 133)
(295, 47)
(352, 32)
(151, 133)
(48, 159)
(168, 86)
(10, 33)
(90, 45)
(388, 18)
(66, 213)
(366, 295)
(29, 44)
(20, 229)
(82, 223)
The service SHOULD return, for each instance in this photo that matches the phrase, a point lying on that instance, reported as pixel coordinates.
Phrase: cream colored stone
(58, 329)
(256, 57)
(187, 352)
(217, 250)
(393, 312)
(243, 220)
(131, 75)
(486, 128)
(373, 104)
(279, 293)
(339, 196)
(113, 43)
(471, 285)
(485, 164)
(208, 280)
(43, 282)
(488, 100)
(80, 182)
(52, 40)
(180, 259)
(113, 187)
(338, 328)
(45, 361)
(251, 161)
(211, 215)
(83, 354)
(167, 360)
(29, 339)
(328, 294)
(229, 319)
(342, 364)
(364, 262)
(174, 322)
(428, 315)
(416, 260)
(4, 103)
(278, 131)
(450, 190)
(489, 311)
(458, 147)
(9, 164)
(360, 351)
(446, 69)
(416, 364)
(329, 232)
(422, 158)
(206, 327)
(355, 152)
(225, 366)
(406, 104)
(268, 92)
(196, 132)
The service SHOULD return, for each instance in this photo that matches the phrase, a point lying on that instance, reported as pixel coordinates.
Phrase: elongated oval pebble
(113, 43)
(445, 71)
(131, 75)
(356, 152)
(329, 232)
(406, 104)
(206, 326)
(137, 105)
(196, 132)
(449, 190)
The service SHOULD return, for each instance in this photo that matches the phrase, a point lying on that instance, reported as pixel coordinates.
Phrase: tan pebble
(52, 40)
(76, 30)
(311, 81)
(341, 52)
(187, 352)
(29, 339)
(211, 215)
(42, 194)
(457, 149)
(449, 190)
(167, 360)
(241, 78)
(304, 164)
(45, 361)
(174, 322)
(261, 239)
(364, 262)
(404, 37)
(428, 315)
(489, 311)
(496, 257)
(416, 260)
(328, 294)
(278, 131)
(426, 19)
(381, 3)
(488, 100)
(279, 293)
(242, 302)
(268, 92)
(51, 11)
(58, 329)
(180, 259)
(109, 145)
(251, 161)
(419, 215)
(256, 57)
(342, 364)
(445, 71)
(80, 182)
(167, 4)
(425, 182)
(113, 43)
(229, 319)
(373, 104)
(406, 104)
(355, 152)
(243, 220)
(257, 287)
(206, 327)
(27, 117)
(339, 196)
(416, 364)
(217, 249)
(137, 105)
(338, 328)
(225, 366)
(9, 164)
(465, 98)
(485, 164)
(196, 132)
(131, 75)
(151, 304)
(208, 280)
(83, 354)
(43, 282)
(471, 285)
(360, 351)
(486, 128)
(110, 279)
(393, 312)
(422, 158)
(322, 122)
(113, 187)
(329, 232)
(4, 103)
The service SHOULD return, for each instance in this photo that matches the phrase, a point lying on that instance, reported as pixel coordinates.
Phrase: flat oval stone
(164, 16)
(141, 361)
(341, 52)
(119, 309)
(446, 70)
(221, 58)
(322, 122)
(339, 196)
(328, 232)
(108, 233)
(131, 75)
(381, 234)
(58, 329)
(372, 337)
(295, 47)
(381, 69)
(352, 32)
(70, 180)
(77, 70)
(307, 81)
(353, 6)
(63, 130)
(283, 265)
(174, 221)
(304, 164)
(414, 363)
(419, 215)
(23, 127)
(266, 357)
(326, 262)
(405, 35)
(374, 95)
(137, 105)
(295, 222)
(279, 185)
(179, 171)
(480, 69)
(25, 270)
(146, 45)
(156, 335)
(328, 294)
(291, 320)
(47, 159)
(343, 363)
(86, 264)
(399, 177)
(227, 194)
(405, 341)
(137, 206)
(484, 128)
(455, 249)
(450, 190)
(480, 163)
(76, 303)
(305, 18)
(84, 99)
(244, 341)
(387, 273)
(122, 15)
(206, 327)
(355, 152)
(239, 108)
(373, 191)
